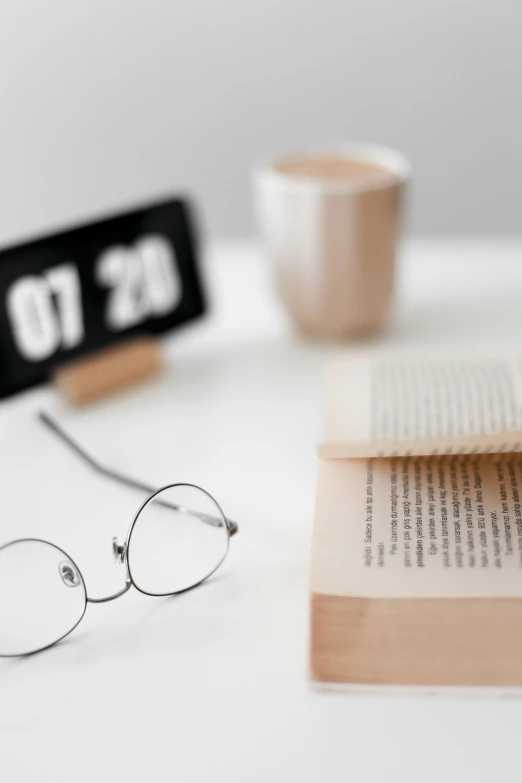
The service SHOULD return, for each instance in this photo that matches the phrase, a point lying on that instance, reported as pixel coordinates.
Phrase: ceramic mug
(331, 222)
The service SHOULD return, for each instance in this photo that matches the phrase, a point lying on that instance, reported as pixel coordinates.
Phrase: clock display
(74, 292)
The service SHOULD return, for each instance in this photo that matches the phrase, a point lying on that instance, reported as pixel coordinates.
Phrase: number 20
(144, 281)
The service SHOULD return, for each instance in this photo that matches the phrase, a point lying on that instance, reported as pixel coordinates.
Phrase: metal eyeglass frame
(120, 551)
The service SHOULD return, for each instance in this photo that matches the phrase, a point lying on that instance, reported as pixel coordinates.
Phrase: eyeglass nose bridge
(119, 552)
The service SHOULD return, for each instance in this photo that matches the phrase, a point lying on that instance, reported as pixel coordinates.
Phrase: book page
(419, 527)
(385, 404)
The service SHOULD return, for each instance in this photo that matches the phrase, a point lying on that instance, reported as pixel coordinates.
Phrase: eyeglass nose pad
(118, 551)
(69, 574)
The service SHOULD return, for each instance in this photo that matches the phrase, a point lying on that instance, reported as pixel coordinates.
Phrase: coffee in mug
(331, 224)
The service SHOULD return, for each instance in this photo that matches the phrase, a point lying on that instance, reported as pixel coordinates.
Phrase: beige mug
(331, 223)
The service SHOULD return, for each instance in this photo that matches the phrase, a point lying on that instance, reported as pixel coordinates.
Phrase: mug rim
(394, 162)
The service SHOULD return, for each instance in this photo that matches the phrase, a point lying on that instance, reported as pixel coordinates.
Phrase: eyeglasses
(178, 538)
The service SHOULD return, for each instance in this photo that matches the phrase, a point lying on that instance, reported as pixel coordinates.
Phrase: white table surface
(212, 685)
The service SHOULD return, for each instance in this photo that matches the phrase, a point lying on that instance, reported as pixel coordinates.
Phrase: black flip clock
(72, 293)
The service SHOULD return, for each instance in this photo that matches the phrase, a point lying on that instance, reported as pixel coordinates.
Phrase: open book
(417, 551)
(381, 404)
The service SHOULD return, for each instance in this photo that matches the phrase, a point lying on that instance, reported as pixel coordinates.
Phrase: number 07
(45, 312)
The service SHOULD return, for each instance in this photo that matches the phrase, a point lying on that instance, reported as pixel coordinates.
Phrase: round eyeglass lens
(42, 596)
(178, 538)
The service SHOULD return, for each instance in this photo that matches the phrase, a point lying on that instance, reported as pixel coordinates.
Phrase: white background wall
(105, 103)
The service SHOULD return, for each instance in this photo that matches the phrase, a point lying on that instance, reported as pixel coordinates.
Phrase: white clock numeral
(65, 285)
(45, 312)
(118, 270)
(161, 279)
(143, 279)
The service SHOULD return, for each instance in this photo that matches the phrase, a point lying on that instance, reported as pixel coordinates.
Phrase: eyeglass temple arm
(122, 478)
